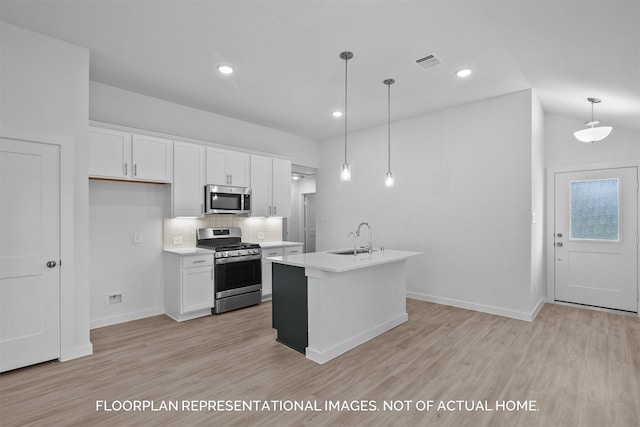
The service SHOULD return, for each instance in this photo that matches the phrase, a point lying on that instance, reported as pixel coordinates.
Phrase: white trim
(127, 317)
(344, 346)
(550, 225)
(499, 311)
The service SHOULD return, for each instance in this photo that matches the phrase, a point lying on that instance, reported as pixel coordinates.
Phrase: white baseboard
(76, 352)
(514, 314)
(328, 354)
(126, 317)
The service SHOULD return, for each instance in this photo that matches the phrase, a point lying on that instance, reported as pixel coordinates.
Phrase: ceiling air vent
(427, 61)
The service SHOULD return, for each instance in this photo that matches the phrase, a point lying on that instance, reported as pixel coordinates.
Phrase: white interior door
(310, 222)
(596, 238)
(29, 253)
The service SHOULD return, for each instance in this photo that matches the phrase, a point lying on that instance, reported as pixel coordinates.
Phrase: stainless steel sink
(350, 251)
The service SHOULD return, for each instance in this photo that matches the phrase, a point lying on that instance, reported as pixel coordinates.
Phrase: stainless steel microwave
(222, 199)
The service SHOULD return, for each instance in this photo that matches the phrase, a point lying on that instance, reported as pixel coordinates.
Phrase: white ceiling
(290, 77)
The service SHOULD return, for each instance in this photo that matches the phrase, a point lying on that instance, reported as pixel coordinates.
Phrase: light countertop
(189, 251)
(279, 244)
(326, 261)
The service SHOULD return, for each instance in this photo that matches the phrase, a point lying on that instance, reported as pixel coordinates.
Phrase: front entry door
(596, 238)
(29, 253)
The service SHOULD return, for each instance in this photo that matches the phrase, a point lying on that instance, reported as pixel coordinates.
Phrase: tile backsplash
(253, 229)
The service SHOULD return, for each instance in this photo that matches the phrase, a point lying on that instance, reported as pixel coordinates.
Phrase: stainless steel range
(238, 268)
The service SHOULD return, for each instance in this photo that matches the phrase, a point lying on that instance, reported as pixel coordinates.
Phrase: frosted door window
(595, 209)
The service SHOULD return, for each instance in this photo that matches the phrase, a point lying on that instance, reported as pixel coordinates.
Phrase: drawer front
(272, 252)
(197, 260)
(292, 250)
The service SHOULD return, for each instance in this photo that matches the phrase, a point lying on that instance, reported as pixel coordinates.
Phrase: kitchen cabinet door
(227, 167)
(109, 153)
(152, 159)
(238, 169)
(217, 167)
(281, 188)
(261, 185)
(197, 289)
(187, 192)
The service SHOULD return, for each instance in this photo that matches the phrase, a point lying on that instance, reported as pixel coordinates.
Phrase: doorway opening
(301, 226)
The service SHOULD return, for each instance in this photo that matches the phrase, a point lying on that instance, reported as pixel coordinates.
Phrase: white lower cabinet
(188, 287)
(267, 286)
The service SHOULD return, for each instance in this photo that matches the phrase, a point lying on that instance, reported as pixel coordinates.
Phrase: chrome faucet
(355, 235)
(369, 246)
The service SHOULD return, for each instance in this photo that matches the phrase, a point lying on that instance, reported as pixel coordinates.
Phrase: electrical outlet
(178, 240)
(114, 299)
(137, 237)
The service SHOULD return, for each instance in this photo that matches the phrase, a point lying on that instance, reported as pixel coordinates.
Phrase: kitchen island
(325, 303)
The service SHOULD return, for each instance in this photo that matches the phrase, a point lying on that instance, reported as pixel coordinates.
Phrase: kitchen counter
(278, 244)
(325, 304)
(328, 261)
(189, 251)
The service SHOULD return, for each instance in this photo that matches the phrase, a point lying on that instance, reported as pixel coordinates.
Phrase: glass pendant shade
(388, 181)
(592, 134)
(345, 174)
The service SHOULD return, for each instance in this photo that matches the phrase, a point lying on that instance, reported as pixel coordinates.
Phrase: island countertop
(327, 261)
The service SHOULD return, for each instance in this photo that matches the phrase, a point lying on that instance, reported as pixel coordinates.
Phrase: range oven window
(236, 275)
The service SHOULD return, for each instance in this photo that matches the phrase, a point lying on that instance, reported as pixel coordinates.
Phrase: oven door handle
(238, 259)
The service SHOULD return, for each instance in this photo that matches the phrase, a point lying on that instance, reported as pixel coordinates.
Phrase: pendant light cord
(346, 60)
(389, 126)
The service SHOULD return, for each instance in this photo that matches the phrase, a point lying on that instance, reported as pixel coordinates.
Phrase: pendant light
(591, 133)
(345, 174)
(389, 178)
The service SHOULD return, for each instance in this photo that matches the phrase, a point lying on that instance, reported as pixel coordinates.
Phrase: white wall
(117, 106)
(117, 211)
(44, 95)
(538, 220)
(463, 196)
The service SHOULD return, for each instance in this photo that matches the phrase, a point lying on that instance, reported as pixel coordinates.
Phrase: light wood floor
(581, 367)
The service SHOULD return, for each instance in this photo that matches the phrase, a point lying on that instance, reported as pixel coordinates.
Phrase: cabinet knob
(51, 264)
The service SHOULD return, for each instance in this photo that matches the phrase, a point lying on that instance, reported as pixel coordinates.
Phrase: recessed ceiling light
(465, 72)
(225, 69)
(337, 114)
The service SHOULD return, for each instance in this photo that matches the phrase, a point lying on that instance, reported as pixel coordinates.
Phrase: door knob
(559, 244)
(51, 264)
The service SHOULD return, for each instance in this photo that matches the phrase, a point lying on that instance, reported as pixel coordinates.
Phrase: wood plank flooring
(580, 367)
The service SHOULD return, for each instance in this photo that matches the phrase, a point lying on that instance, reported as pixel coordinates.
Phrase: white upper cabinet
(261, 169)
(227, 167)
(109, 153)
(270, 186)
(281, 188)
(152, 158)
(187, 192)
(122, 155)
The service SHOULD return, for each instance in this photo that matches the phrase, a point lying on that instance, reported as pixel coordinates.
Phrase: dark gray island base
(325, 304)
(289, 306)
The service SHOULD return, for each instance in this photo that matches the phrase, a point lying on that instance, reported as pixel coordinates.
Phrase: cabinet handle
(135, 169)
(272, 254)
(275, 210)
(202, 208)
(230, 179)
(198, 261)
(269, 210)
(125, 168)
(212, 274)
